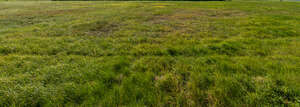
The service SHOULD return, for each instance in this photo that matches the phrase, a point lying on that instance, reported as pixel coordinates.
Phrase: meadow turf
(149, 54)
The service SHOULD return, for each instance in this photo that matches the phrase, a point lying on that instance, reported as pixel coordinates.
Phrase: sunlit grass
(149, 53)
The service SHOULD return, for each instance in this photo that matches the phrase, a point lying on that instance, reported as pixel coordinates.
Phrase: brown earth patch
(52, 12)
(189, 21)
(201, 13)
(104, 29)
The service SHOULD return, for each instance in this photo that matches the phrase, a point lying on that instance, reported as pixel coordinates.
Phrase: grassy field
(149, 54)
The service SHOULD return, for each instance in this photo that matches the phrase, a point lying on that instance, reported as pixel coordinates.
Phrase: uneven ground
(149, 53)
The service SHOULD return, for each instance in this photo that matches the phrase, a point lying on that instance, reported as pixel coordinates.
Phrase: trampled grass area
(149, 53)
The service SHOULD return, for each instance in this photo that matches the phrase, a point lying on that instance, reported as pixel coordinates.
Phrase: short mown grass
(149, 53)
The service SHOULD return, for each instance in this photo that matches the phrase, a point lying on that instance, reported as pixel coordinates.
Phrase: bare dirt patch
(104, 29)
(193, 21)
(201, 13)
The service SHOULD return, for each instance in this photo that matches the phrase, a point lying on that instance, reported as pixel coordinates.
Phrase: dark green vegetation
(149, 53)
(137, 0)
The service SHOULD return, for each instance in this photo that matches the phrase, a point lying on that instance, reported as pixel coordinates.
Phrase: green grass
(149, 53)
